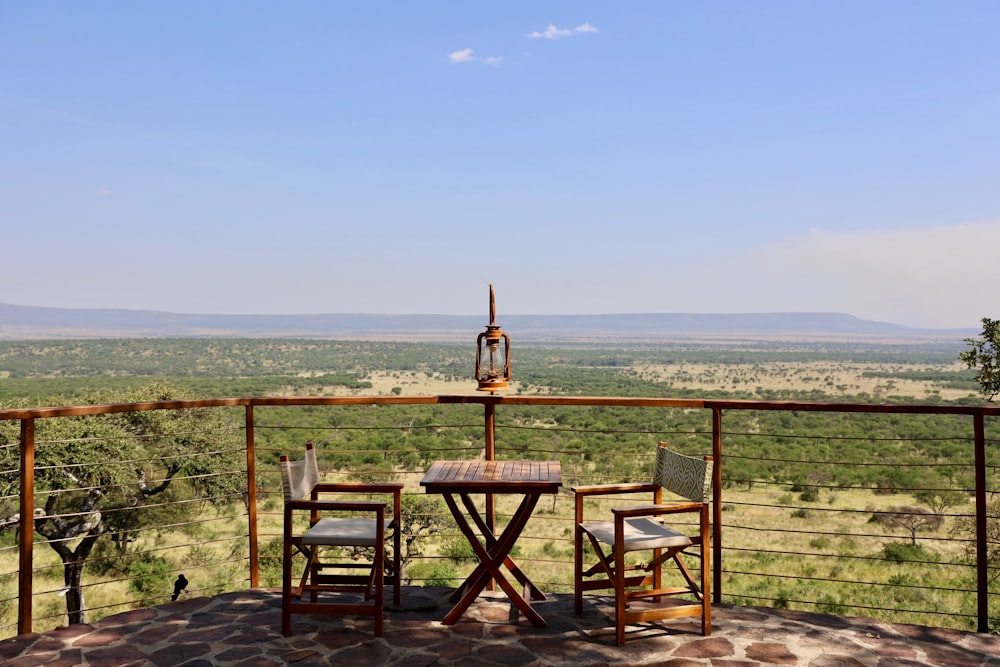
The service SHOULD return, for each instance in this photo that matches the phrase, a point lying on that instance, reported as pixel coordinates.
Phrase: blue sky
(584, 157)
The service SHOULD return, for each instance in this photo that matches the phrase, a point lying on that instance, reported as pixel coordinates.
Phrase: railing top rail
(715, 404)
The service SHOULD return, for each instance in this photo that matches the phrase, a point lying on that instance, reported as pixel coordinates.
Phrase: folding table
(461, 479)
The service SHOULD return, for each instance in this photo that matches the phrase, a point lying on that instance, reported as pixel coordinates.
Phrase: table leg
(491, 560)
(526, 507)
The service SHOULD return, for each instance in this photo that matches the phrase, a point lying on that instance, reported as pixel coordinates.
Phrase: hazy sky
(585, 157)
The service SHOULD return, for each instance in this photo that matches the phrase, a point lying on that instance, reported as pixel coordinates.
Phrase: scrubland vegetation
(813, 503)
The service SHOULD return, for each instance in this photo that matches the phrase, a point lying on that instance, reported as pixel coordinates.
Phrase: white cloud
(469, 56)
(463, 56)
(555, 32)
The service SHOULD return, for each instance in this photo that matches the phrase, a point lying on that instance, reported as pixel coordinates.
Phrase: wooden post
(717, 505)
(982, 564)
(490, 409)
(26, 534)
(252, 499)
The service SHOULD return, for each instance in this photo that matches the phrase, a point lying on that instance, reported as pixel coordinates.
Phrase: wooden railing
(491, 403)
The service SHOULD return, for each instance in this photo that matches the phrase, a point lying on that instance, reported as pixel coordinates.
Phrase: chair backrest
(688, 476)
(298, 478)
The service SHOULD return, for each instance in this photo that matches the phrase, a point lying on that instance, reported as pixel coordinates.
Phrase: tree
(965, 526)
(908, 518)
(984, 354)
(98, 475)
(422, 516)
(941, 500)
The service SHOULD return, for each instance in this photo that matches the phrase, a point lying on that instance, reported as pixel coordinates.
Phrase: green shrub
(150, 575)
(437, 573)
(763, 557)
(821, 542)
(108, 561)
(550, 550)
(270, 554)
(901, 552)
(781, 600)
(198, 555)
(810, 494)
(900, 579)
(827, 604)
(458, 550)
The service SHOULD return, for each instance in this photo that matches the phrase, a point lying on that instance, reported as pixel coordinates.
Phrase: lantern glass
(493, 361)
(493, 358)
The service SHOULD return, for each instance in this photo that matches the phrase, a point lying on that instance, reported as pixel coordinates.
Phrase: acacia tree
(910, 519)
(941, 500)
(95, 476)
(984, 354)
(421, 516)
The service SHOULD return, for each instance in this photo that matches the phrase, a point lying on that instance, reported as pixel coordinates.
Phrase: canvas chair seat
(639, 535)
(338, 532)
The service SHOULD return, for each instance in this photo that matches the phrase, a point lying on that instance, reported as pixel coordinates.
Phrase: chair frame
(315, 581)
(611, 571)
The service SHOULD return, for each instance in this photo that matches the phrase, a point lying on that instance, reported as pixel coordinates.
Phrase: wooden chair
(359, 526)
(639, 528)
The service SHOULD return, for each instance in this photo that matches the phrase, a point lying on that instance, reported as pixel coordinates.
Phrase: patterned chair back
(688, 476)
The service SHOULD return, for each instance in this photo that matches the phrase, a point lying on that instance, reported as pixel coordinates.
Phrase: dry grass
(833, 378)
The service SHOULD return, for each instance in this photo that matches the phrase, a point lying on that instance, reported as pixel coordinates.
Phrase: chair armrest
(611, 489)
(394, 488)
(358, 487)
(582, 492)
(657, 510)
(339, 505)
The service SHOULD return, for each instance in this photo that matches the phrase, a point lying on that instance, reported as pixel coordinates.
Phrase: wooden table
(464, 478)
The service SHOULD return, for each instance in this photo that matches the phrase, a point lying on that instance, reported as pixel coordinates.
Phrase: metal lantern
(493, 355)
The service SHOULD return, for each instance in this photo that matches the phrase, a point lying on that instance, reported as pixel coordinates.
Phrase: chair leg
(706, 601)
(312, 571)
(620, 598)
(397, 566)
(692, 584)
(286, 588)
(578, 571)
(378, 571)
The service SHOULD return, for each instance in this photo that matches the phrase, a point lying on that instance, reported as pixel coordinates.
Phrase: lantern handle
(493, 307)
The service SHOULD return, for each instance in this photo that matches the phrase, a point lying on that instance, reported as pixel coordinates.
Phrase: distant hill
(32, 322)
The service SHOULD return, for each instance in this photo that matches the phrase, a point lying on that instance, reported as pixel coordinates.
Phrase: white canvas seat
(639, 534)
(344, 532)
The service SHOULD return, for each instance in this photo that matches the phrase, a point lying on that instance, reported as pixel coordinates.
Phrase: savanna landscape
(861, 514)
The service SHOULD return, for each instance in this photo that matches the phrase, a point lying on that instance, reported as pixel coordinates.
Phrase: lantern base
(492, 385)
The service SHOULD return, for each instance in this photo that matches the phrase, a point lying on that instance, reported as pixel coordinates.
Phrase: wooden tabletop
(493, 477)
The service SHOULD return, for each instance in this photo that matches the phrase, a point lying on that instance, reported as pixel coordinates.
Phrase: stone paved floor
(240, 629)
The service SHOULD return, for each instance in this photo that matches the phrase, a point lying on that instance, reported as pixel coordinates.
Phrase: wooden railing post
(26, 534)
(717, 505)
(982, 563)
(490, 410)
(252, 499)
